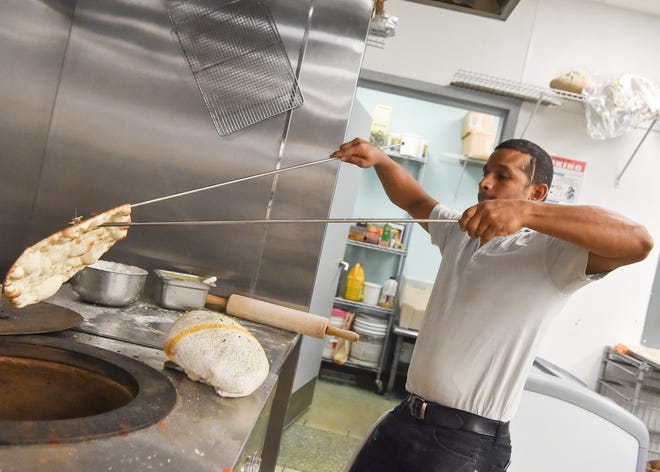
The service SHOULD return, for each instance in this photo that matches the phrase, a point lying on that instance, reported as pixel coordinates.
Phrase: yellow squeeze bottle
(354, 283)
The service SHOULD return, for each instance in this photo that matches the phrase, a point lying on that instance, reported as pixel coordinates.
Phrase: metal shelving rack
(634, 384)
(362, 306)
(390, 314)
(529, 93)
(512, 89)
(373, 247)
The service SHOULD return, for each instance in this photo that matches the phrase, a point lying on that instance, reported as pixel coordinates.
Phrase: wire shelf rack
(531, 93)
(509, 88)
(375, 41)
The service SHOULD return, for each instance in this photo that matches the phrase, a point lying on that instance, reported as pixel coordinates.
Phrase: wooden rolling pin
(279, 316)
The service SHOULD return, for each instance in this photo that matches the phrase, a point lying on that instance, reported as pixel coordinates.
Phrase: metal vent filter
(238, 60)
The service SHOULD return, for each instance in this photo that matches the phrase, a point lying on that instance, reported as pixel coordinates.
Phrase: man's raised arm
(401, 188)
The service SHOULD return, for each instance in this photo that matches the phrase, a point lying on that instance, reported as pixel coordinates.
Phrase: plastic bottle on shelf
(354, 283)
(388, 293)
(337, 320)
(386, 235)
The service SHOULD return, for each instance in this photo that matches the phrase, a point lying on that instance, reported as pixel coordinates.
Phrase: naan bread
(574, 81)
(42, 268)
(214, 349)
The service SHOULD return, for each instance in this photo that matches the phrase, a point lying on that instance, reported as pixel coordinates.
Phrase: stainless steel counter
(203, 432)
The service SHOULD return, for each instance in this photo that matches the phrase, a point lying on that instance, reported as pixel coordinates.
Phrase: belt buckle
(417, 407)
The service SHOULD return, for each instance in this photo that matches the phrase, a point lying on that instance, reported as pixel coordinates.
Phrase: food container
(357, 233)
(413, 298)
(180, 291)
(371, 293)
(109, 283)
(368, 349)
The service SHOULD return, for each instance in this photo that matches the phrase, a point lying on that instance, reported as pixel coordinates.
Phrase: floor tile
(302, 419)
(344, 409)
(312, 450)
(327, 435)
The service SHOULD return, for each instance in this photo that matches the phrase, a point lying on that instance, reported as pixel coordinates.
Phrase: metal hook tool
(244, 179)
(242, 222)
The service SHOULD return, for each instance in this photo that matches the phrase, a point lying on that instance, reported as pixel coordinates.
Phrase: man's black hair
(539, 170)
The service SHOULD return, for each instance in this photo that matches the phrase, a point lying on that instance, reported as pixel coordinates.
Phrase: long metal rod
(243, 179)
(623, 171)
(242, 222)
(235, 181)
(531, 118)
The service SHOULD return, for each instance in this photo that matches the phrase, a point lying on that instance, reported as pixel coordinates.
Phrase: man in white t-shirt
(508, 266)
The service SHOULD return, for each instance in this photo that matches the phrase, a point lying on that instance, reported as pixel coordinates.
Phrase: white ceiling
(647, 6)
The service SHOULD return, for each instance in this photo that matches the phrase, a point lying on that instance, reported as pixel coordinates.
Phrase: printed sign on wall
(567, 180)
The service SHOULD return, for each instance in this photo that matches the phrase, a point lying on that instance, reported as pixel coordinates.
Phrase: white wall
(541, 39)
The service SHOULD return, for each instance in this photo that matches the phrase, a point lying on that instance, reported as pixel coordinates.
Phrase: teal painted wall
(443, 177)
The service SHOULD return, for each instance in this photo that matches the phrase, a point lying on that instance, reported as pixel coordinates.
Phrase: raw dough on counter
(214, 349)
(41, 269)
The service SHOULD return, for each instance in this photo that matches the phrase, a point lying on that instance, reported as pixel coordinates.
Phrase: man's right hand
(401, 187)
(360, 153)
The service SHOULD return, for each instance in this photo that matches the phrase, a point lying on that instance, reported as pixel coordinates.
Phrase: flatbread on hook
(42, 268)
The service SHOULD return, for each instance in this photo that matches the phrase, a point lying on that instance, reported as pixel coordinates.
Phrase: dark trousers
(401, 442)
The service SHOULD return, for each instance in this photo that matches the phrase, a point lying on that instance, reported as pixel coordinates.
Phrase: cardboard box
(478, 145)
(414, 295)
(476, 122)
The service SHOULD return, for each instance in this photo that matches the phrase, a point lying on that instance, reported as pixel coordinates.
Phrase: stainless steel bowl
(109, 283)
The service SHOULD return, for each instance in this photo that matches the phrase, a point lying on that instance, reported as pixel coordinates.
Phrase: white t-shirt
(488, 310)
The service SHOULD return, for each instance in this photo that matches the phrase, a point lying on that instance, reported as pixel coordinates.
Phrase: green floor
(326, 436)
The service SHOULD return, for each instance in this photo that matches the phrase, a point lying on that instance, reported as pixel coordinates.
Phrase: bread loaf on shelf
(575, 81)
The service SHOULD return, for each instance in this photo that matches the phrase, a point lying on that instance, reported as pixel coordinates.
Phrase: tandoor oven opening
(38, 390)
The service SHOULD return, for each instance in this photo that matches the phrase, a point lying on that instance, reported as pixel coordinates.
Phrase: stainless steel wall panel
(120, 120)
(105, 111)
(291, 19)
(328, 80)
(33, 38)
(130, 125)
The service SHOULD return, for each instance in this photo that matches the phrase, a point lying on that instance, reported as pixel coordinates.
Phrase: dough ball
(214, 349)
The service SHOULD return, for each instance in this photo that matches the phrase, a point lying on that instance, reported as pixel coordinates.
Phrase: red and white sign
(567, 180)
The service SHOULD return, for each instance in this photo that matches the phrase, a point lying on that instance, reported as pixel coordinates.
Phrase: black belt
(452, 418)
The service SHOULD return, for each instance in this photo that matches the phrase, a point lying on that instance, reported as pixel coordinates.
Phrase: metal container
(109, 283)
(180, 291)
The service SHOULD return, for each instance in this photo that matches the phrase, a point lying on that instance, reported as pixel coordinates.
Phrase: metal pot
(109, 283)
(179, 291)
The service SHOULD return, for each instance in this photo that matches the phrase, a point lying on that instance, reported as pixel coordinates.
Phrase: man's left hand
(492, 218)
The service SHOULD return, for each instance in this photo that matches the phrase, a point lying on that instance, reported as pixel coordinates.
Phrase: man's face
(505, 177)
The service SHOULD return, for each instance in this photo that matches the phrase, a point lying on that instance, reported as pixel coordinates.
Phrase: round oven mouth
(57, 390)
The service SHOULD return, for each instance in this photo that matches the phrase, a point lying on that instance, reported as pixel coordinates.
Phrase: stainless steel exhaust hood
(497, 9)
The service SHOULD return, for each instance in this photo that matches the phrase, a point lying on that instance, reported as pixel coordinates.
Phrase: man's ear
(539, 192)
